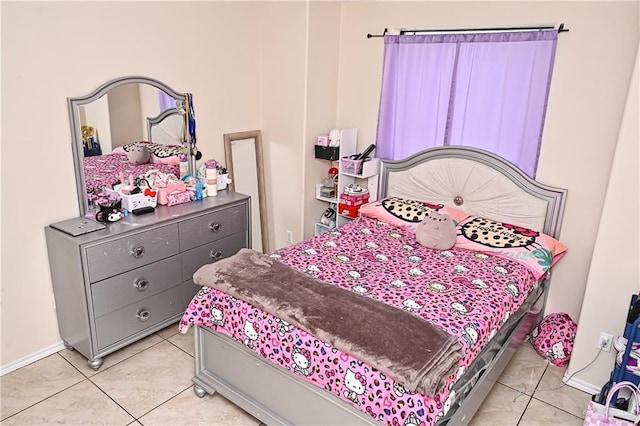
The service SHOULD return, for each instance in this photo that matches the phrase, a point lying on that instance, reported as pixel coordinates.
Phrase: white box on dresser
(115, 286)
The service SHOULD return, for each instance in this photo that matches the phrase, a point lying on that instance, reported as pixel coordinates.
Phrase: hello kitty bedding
(469, 294)
(104, 170)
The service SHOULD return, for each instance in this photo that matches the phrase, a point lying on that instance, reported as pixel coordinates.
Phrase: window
(486, 90)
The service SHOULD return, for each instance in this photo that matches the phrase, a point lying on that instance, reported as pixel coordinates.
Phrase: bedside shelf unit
(370, 171)
(322, 198)
(117, 285)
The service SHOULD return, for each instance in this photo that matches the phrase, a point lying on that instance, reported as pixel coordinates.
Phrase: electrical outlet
(605, 341)
(290, 237)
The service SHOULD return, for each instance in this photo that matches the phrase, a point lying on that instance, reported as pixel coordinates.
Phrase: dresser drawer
(213, 226)
(129, 320)
(133, 286)
(130, 252)
(193, 259)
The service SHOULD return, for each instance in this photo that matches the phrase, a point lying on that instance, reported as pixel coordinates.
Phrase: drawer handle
(216, 255)
(137, 251)
(215, 227)
(143, 315)
(141, 284)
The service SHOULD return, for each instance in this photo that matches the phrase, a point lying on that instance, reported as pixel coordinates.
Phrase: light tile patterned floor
(149, 383)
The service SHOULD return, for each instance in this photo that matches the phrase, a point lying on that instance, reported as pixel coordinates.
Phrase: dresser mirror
(243, 155)
(120, 112)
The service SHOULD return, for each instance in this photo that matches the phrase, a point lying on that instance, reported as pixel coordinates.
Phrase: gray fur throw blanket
(409, 349)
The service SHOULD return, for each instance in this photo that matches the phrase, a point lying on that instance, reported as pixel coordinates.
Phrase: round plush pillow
(553, 338)
(436, 231)
(139, 154)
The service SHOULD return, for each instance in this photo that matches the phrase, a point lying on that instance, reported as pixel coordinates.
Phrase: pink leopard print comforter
(104, 170)
(468, 294)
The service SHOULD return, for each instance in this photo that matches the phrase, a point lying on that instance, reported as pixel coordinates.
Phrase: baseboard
(581, 385)
(12, 366)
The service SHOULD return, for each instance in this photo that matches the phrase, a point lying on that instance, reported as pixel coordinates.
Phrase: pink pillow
(553, 338)
(171, 160)
(406, 212)
(537, 251)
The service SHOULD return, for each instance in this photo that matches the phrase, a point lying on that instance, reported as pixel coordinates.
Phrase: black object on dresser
(115, 286)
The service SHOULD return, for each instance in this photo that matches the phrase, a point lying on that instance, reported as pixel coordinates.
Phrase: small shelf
(322, 198)
(331, 153)
(321, 228)
(369, 168)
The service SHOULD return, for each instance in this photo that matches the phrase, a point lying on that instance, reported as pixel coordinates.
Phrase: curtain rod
(561, 29)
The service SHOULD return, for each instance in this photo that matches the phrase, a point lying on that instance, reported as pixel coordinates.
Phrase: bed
(167, 127)
(165, 144)
(489, 300)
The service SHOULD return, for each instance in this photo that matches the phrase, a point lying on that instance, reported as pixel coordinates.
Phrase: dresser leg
(67, 346)
(95, 363)
(199, 391)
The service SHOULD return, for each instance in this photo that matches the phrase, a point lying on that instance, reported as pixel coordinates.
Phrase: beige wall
(590, 83)
(51, 51)
(283, 44)
(613, 273)
(588, 89)
(295, 70)
(321, 103)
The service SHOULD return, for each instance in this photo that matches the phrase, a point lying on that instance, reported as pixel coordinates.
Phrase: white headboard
(477, 182)
(166, 128)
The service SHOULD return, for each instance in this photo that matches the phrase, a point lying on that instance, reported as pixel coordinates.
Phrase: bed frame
(470, 179)
(166, 127)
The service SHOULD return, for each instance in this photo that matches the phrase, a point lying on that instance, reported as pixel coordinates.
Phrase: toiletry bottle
(212, 178)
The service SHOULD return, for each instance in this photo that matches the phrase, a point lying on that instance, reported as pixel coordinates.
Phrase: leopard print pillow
(167, 154)
(406, 212)
(537, 251)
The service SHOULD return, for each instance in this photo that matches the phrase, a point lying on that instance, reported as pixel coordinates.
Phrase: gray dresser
(115, 286)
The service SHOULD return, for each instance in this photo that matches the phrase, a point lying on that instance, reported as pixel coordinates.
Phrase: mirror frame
(74, 103)
(256, 135)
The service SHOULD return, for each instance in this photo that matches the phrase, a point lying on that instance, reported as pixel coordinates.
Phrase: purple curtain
(415, 95)
(166, 101)
(487, 90)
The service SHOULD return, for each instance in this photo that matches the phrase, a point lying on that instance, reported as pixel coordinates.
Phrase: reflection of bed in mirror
(166, 128)
(123, 111)
(105, 170)
(164, 142)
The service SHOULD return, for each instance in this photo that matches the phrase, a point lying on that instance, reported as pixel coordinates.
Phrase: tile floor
(149, 383)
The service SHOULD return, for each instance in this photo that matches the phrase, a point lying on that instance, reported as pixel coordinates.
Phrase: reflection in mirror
(243, 155)
(166, 127)
(121, 112)
(132, 112)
